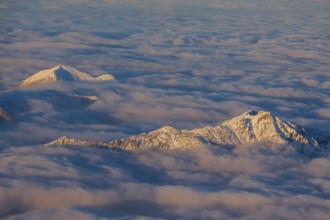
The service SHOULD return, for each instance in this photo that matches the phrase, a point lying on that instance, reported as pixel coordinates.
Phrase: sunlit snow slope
(61, 73)
(248, 128)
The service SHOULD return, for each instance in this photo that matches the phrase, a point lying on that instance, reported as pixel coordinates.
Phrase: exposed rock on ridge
(165, 137)
(6, 116)
(65, 141)
(248, 128)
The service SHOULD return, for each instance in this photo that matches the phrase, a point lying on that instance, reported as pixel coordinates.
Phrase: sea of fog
(183, 63)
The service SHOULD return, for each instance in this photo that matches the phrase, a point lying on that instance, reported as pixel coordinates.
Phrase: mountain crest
(258, 126)
(65, 141)
(61, 73)
(255, 126)
(248, 128)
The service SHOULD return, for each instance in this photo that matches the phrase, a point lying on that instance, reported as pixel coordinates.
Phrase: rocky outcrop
(6, 116)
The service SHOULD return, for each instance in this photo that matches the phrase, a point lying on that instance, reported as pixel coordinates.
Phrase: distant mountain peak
(61, 73)
(247, 128)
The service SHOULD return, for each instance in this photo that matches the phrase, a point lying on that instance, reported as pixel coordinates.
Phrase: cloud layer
(233, 183)
(172, 66)
(181, 63)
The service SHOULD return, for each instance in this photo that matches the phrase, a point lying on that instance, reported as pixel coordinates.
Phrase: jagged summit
(259, 126)
(61, 73)
(253, 126)
(250, 127)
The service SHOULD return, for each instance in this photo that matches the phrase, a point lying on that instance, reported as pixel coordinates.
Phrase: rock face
(61, 73)
(65, 141)
(253, 126)
(6, 116)
(248, 128)
(166, 137)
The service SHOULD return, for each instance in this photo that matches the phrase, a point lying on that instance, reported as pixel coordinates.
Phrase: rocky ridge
(248, 128)
(6, 116)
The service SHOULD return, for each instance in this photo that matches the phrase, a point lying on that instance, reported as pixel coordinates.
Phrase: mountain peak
(254, 113)
(250, 127)
(166, 128)
(61, 73)
(254, 126)
(59, 66)
(65, 68)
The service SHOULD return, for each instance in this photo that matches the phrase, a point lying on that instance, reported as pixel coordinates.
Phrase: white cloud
(40, 182)
(181, 63)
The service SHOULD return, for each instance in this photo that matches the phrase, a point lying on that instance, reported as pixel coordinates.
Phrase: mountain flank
(248, 128)
(62, 73)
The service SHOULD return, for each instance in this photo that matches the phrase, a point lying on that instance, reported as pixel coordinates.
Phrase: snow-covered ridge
(62, 73)
(250, 127)
(65, 141)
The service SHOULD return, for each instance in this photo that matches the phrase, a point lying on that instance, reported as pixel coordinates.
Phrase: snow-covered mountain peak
(252, 114)
(251, 118)
(69, 73)
(166, 129)
(61, 66)
(250, 127)
(255, 126)
(61, 73)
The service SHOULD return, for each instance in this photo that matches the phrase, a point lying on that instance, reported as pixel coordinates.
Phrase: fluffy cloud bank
(228, 183)
(181, 63)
